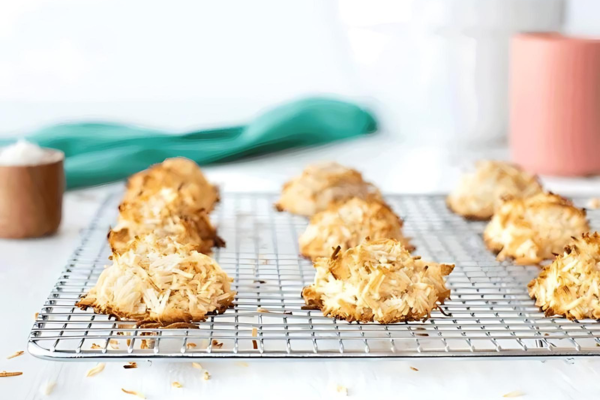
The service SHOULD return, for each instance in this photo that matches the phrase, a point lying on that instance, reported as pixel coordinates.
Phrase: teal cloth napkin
(98, 153)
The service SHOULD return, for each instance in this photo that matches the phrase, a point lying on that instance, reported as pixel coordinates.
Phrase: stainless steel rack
(490, 314)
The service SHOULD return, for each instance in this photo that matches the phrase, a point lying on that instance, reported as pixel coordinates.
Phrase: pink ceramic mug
(555, 104)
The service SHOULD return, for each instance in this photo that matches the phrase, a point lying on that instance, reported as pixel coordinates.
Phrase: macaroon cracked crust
(570, 286)
(146, 284)
(480, 192)
(377, 280)
(165, 212)
(321, 185)
(534, 229)
(347, 224)
(180, 174)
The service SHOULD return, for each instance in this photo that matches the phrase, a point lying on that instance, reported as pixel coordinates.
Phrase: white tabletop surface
(29, 268)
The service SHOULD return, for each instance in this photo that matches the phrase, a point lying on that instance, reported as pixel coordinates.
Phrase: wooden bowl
(31, 199)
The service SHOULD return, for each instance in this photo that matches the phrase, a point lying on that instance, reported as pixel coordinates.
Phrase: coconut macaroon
(479, 193)
(348, 224)
(179, 174)
(377, 280)
(569, 287)
(145, 284)
(165, 212)
(534, 229)
(321, 185)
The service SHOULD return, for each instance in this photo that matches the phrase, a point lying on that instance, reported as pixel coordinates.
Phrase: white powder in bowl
(27, 153)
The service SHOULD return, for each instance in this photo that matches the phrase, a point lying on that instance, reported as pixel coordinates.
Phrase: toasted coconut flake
(342, 390)
(196, 365)
(176, 385)
(96, 370)
(36, 315)
(217, 344)
(254, 332)
(47, 388)
(569, 285)
(114, 344)
(146, 284)
(15, 354)
(191, 345)
(414, 369)
(5, 374)
(95, 346)
(534, 229)
(377, 281)
(479, 193)
(594, 203)
(138, 394)
(515, 393)
(130, 365)
(322, 185)
(262, 310)
(206, 375)
(347, 224)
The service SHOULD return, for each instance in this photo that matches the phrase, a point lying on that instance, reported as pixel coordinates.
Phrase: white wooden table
(29, 268)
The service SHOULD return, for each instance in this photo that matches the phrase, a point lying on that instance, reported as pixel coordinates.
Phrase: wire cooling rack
(489, 315)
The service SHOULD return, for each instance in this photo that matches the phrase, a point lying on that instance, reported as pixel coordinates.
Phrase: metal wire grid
(489, 315)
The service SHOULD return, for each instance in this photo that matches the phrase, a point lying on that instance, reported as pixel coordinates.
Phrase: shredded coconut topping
(166, 214)
(348, 224)
(569, 287)
(480, 192)
(179, 174)
(146, 284)
(321, 185)
(377, 280)
(534, 229)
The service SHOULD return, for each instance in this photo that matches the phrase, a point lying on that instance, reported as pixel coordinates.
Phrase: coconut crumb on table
(191, 345)
(47, 388)
(342, 390)
(241, 364)
(196, 365)
(5, 374)
(114, 343)
(138, 394)
(15, 354)
(217, 344)
(95, 346)
(176, 385)
(414, 369)
(96, 370)
(35, 316)
(130, 365)
(515, 393)
(206, 375)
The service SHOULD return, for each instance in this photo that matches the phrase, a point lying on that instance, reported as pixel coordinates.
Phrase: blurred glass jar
(438, 69)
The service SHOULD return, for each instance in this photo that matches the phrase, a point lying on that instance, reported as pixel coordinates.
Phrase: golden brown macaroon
(377, 280)
(145, 284)
(534, 229)
(164, 213)
(480, 192)
(321, 185)
(570, 286)
(179, 174)
(348, 224)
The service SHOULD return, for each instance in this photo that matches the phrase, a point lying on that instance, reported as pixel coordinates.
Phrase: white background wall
(177, 64)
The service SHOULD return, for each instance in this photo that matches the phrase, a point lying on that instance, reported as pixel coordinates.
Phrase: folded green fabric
(98, 153)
